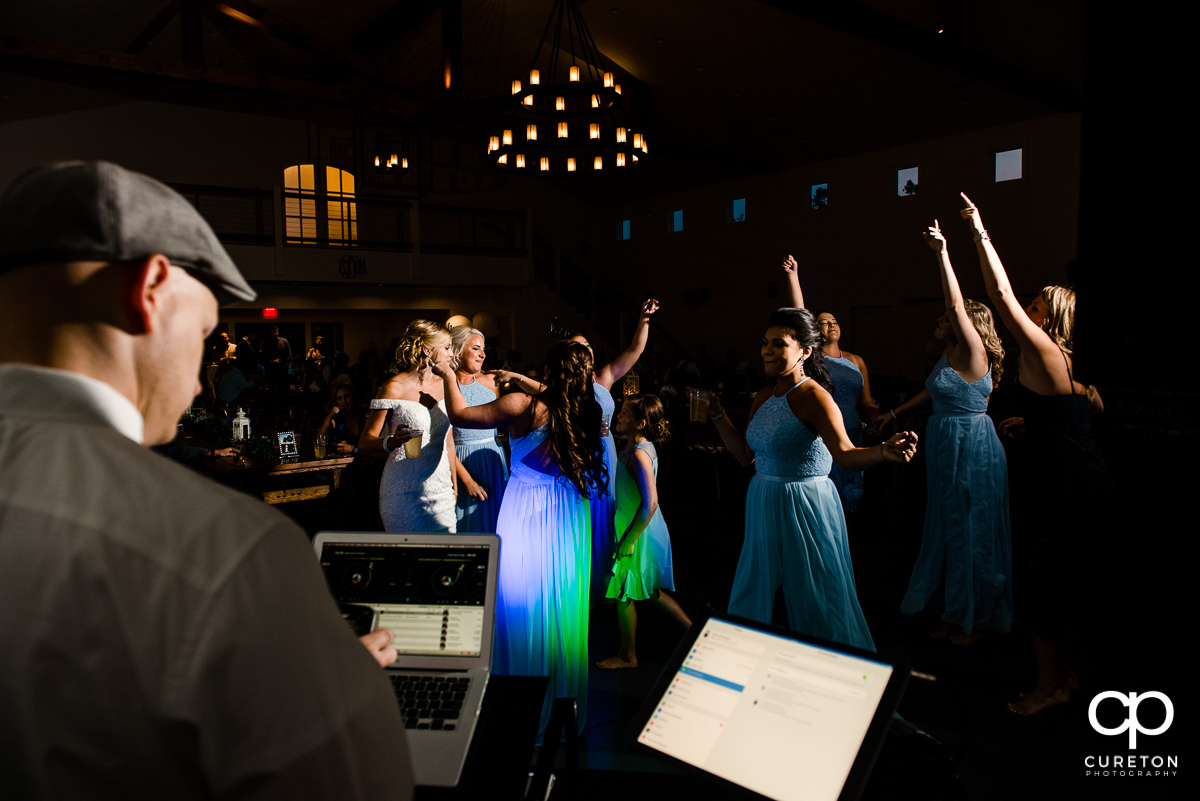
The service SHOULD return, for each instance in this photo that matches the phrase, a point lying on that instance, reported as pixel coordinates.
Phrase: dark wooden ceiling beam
(946, 51)
(286, 31)
(402, 16)
(256, 46)
(18, 51)
(191, 31)
(156, 26)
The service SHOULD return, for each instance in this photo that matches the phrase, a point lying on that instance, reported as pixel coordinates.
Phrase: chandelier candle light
(586, 110)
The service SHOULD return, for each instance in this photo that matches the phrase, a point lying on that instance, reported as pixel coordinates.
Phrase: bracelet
(718, 417)
(386, 449)
(892, 412)
(881, 456)
(982, 235)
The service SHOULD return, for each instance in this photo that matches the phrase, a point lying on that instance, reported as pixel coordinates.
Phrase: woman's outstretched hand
(1012, 427)
(790, 267)
(971, 214)
(900, 448)
(650, 306)
(933, 236)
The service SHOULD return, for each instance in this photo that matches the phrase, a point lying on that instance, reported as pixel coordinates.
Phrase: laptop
(769, 713)
(436, 593)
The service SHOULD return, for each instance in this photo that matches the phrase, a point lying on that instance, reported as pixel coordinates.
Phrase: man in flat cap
(162, 637)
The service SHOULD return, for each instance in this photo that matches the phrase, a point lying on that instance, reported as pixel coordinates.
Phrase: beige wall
(862, 257)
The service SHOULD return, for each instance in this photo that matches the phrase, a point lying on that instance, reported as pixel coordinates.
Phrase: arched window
(319, 200)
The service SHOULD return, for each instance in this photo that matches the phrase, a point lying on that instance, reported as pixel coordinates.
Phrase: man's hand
(379, 645)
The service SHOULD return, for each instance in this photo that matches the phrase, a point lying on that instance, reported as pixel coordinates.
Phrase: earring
(802, 376)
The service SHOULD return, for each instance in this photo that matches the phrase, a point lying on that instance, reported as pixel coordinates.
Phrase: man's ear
(147, 294)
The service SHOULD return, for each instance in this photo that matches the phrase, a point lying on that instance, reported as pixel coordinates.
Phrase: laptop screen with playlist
(779, 716)
(431, 597)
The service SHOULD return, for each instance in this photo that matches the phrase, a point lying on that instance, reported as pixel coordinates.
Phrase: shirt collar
(49, 392)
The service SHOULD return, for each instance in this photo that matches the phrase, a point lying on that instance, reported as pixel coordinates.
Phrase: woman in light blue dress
(851, 388)
(482, 466)
(545, 522)
(795, 530)
(603, 505)
(964, 569)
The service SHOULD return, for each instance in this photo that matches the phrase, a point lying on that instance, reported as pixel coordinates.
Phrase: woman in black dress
(1062, 482)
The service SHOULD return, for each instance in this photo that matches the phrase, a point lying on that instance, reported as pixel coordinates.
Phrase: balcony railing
(251, 217)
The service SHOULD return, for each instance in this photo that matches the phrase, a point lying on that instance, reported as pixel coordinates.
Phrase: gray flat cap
(98, 211)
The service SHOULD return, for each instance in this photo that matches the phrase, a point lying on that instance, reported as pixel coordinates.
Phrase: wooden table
(233, 468)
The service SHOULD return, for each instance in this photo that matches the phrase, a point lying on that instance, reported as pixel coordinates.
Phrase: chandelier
(568, 114)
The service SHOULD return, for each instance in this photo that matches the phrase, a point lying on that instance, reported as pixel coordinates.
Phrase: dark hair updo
(648, 409)
(802, 326)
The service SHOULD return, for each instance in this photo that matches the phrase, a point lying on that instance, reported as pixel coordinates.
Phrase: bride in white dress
(416, 494)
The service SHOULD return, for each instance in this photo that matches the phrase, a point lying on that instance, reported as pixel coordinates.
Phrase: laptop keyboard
(430, 702)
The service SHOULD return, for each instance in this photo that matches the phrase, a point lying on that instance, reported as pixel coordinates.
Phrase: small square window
(1006, 165)
(677, 220)
(623, 231)
(906, 182)
(737, 210)
(818, 195)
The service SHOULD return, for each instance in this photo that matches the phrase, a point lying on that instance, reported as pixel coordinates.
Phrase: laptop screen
(776, 715)
(432, 597)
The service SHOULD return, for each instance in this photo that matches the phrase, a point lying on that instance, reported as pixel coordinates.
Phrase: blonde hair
(1060, 319)
(459, 337)
(421, 334)
(985, 326)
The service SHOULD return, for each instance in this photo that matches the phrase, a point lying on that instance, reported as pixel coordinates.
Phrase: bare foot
(968, 639)
(1040, 700)
(942, 632)
(617, 663)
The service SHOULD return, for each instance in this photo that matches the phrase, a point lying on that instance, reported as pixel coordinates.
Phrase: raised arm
(503, 411)
(792, 271)
(1028, 334)
(519, 381)
(612, 372)
(969, 356)
(328, 421)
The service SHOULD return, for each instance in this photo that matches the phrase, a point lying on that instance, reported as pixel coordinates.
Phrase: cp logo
(1131, 722)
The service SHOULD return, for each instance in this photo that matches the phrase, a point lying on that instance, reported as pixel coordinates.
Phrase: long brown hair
(574, 436)
(985, 326)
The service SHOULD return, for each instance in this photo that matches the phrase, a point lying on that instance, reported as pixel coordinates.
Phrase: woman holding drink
(417, 492)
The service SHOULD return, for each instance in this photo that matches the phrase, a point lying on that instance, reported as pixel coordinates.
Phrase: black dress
(1060, 489)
